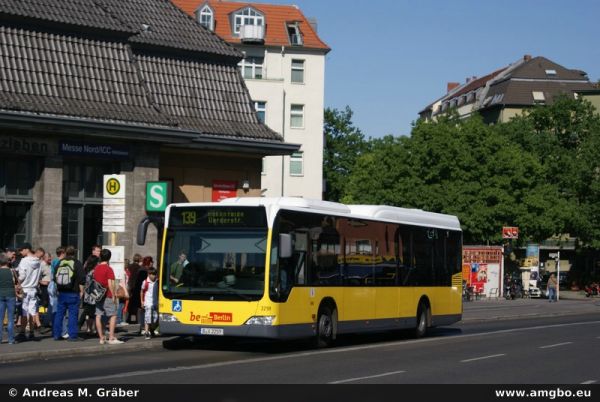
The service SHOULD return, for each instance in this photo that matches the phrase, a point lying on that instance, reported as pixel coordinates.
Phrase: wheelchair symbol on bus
(176, 306)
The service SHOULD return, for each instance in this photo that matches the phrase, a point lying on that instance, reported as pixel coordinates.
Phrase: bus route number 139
(189, 217)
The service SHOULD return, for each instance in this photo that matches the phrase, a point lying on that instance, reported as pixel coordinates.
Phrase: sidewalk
(44, 347)
(570, 303)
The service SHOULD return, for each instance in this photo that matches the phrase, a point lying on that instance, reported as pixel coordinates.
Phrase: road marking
(318, 352)
(555, 345)
(367, 377)
(482, 358)
(589, 382)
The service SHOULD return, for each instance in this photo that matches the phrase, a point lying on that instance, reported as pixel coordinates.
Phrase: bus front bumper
(251, 331)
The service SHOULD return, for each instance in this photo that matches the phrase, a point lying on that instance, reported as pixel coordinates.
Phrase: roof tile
(276, 17)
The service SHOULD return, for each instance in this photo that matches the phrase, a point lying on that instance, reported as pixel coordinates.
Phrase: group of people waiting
(74, 294)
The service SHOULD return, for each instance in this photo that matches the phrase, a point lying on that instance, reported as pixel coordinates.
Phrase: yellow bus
(284, 268)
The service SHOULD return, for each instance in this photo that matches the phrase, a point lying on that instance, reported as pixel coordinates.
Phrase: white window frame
(254, 64)
(301, 69)
(296, 113)
(208, 12)
(297, 35)
(247, 16)
(261, 107)
(297, 158)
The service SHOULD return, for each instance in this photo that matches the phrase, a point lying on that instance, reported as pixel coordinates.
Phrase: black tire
(422, 318)
(325, 327)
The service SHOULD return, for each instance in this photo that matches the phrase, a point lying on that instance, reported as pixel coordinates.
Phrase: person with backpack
(107, 306)
(88, 312)
(70, 279)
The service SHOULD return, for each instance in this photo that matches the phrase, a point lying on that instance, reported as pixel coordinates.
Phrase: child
(149, 300)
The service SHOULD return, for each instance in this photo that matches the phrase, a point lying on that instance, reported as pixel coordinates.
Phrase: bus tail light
(261, 320)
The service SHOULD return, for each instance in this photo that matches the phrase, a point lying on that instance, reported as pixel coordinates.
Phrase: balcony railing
(252, 33)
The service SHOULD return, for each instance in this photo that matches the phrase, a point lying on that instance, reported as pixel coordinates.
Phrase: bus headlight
(261, 320)
(165, 317)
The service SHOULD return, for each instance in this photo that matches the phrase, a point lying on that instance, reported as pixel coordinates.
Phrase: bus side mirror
(142, 229)
(285, 245)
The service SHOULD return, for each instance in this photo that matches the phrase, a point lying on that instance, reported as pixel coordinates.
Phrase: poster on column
(478, 276)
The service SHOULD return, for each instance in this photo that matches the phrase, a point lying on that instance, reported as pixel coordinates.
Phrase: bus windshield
(223, 260)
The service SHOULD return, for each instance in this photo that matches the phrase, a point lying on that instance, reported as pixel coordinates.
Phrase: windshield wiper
(235, 292)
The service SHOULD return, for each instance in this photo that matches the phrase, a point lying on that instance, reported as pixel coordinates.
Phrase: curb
(523, 316)
(83, 351)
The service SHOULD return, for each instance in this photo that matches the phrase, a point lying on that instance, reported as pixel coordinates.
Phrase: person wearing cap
(29, 278)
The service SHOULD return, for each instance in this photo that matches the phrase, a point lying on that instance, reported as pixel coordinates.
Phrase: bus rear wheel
(325, 327)
(422, 315)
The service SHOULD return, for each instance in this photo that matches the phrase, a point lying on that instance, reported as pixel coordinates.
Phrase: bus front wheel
(326, 327)
(422, 315)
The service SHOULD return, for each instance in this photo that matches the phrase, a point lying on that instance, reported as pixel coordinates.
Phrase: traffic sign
(114, 186)
(510, 232)
(158, 196)
(113, 217)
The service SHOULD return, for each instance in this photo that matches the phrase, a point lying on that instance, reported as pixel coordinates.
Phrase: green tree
(344, 143)
(464, 168)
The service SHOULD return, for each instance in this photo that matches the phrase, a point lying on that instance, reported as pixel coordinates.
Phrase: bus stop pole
(558, 276)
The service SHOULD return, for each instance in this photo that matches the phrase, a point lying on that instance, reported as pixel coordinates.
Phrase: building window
(295, 35)
(298, 71)
(82, 204)
(538, 98)
(16, 198)
(261, 110)
(206, 17)
(252, 67)
(248, 16)
(551, 73)
(297, 116)
(297, 164)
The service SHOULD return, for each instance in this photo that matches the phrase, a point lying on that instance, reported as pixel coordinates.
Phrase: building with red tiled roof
(504, 93)
(284, 70)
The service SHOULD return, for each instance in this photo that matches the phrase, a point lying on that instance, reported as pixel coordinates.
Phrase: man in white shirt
(29, 278)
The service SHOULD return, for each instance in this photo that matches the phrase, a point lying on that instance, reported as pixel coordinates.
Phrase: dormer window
(247, 16)
(206, 18)
(538, 97)
(294, 34)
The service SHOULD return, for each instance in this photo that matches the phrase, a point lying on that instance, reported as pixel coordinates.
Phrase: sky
(391, 58)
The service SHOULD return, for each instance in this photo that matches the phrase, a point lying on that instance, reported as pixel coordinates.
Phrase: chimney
(313, 23)
(527, 57)
(451, 85)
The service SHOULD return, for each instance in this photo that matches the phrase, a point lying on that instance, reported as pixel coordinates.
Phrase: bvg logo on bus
(211, 318)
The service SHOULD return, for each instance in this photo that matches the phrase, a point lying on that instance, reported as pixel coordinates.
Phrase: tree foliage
(539, 172)
(344, 143)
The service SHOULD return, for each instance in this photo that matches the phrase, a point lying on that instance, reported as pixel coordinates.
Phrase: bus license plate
(211, 331)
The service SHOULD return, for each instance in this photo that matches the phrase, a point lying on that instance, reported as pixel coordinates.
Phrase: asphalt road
(551, 350)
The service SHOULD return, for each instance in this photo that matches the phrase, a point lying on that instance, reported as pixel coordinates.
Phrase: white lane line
(367, 377)
(589, 382)
(319, 352)
(555, 345)
(482, 358)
